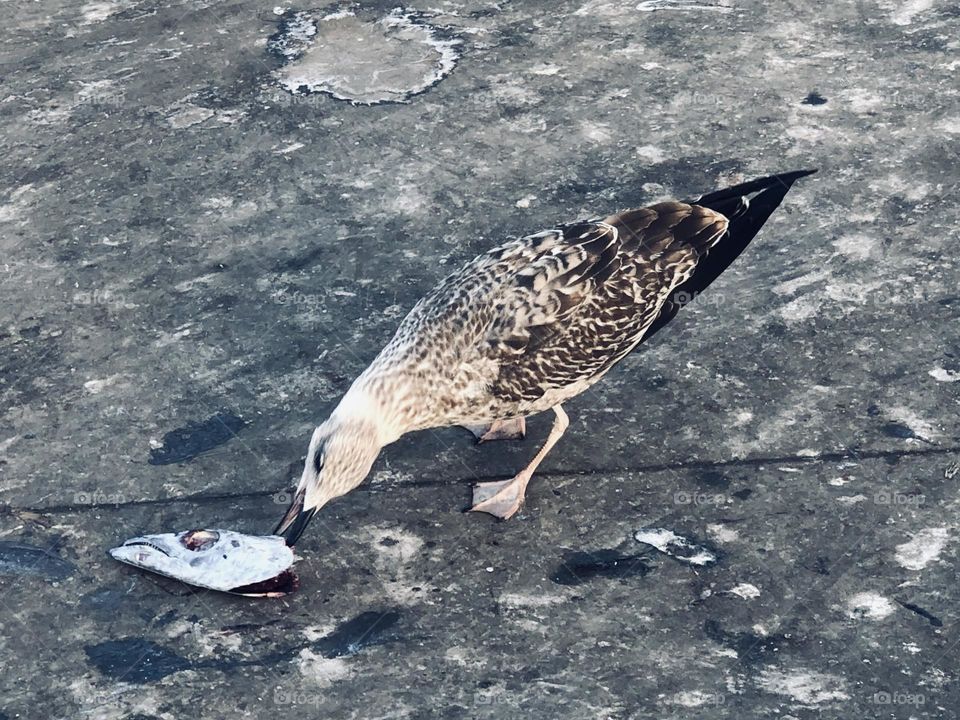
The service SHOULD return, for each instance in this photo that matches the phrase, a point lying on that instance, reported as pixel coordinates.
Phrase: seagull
(523, 328)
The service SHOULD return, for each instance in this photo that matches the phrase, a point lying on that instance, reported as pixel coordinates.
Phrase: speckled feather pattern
(539, 319)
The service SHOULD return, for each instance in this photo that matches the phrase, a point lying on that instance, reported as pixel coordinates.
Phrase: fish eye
(198, 540)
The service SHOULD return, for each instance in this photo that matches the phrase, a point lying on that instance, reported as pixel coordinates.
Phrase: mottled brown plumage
(530, 324)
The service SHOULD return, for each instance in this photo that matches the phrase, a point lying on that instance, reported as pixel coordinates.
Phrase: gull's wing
(589, 292)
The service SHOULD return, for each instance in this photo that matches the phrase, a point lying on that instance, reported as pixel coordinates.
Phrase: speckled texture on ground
(184, 240)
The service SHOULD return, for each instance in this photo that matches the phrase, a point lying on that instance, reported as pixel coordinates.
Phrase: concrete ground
(213, 214)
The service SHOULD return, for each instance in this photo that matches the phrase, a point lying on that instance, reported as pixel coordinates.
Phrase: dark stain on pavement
(926, 614)
(22, 559)
(196, 438)
(352, 636)
(579, 567)
(750, 648)
(135, 660)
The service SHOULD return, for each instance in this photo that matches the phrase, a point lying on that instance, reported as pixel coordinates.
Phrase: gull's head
(341, 453)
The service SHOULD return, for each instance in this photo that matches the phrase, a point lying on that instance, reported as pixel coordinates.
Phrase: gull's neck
(378, 401)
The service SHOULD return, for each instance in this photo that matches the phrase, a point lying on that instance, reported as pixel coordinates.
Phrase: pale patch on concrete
(396, 548)
(803, 308)
(545, 69)
(745, 591)
(18, 201)
(464, 657)
(789, 287)
(742, 417)
(521, 600)
(408, 200)
(322, 671)
(676, 546)
(923, 549)
(95, 12)
(906, 10)
(312, 633)
(920, 427)
(861, 100)
(806, 687)
(650, 154)
(851, 499)
(361, 58)
(596, 132)
(115, 700)
(94, 387)
(188, 116)
(856, 246)
(654, 5)
(694, 698)
(722, 533)
(950, 125)
(869, 606)
(941, 375)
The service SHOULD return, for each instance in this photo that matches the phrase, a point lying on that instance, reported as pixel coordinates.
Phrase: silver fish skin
(222, 560)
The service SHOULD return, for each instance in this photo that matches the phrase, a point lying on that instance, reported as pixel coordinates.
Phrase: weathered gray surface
(183, 237)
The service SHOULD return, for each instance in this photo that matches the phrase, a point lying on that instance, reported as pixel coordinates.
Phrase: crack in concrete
(650, 468)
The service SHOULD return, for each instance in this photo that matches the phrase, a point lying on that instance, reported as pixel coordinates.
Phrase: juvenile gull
(526, 326)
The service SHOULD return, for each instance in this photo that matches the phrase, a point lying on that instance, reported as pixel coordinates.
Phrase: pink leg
(503, 498)
(515, 429)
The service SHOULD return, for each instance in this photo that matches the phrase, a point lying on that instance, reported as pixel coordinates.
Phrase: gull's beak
(295, 520)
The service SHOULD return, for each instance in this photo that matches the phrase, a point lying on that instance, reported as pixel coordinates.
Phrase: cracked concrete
(197, 262)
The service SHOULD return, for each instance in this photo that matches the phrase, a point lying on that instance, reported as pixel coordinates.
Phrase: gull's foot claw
(500, 498)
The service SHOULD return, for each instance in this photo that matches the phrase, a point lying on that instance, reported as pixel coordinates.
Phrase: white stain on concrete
(941, 375)
(747, 591)
(654, 5)
(923, 549)
(95, 12)
(650, 154)
(676, 546)
(869, 606)
(322, 671)
(188, 116)
(95, 387)
(905, 12)
(857, 246)
(695, 698)
(397, 551)
(806, 687)
(526, 600)
(721, 533)
(363, 60)
(904, 415)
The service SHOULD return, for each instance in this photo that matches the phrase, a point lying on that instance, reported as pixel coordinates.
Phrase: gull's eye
(318, 462)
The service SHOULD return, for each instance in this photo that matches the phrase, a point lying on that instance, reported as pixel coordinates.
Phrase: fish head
(216, 559)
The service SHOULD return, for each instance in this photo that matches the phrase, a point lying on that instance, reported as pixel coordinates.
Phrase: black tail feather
(747, 206)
